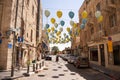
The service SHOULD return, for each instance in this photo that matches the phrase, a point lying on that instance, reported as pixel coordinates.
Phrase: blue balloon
(71, 14)
(55, 31)
(84, 21)
(62, 23)
(82, 26)
(47, 26)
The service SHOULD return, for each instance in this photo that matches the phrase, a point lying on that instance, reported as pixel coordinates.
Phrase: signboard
(110, 45)
(9, 45)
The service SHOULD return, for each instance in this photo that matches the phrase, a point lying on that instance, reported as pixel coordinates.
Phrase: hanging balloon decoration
(59, 14)
(71, 23)
(52, 28)
(47, 26)
(48, 30)
(84, 21)
(62, 23)
(55, 31)
(47, 13)
(100, 19)
(75, 25)
(53, 20)
(68, 29)
(56, 25)
(97, 14)
(84, 14)
(71, 14)
(82, 26)
(61, 29)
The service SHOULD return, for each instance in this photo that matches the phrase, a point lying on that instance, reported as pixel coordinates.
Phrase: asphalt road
(64, 71)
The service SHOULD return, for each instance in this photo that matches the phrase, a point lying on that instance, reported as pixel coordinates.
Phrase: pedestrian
(57, 58)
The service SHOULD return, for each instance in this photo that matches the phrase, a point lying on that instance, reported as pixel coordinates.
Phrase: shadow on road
(87, 73)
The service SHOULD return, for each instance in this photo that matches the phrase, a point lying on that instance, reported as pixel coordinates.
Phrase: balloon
(61, 29)
(47, 26)
(58, 33)
(59, 14)
(55, 31)
(71, 23)
(52, 20)
(68, 29)
(78, 30)
(100, 19)
(97, 14)
(82, 26)
(75, 25)
(48, 30)
(71, 14)
(56, 25)
(84, 21)
(62, 23)
(47, 13)
(64, 34)
(84, 14)
(52, 28)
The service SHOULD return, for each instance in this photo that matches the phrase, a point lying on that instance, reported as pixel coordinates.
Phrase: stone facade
(21, 16)
(94, 37)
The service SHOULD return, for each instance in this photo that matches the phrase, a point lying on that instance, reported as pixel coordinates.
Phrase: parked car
(48, 57)
(81, 62)
(72, 59)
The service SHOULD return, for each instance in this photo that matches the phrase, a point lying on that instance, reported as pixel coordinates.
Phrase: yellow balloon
(48, 30)
(59, 14)
(100, 19)
(68, 29)
(75, 25)
(52, 20)
(78, 30)
(52, 28)
(84, 14)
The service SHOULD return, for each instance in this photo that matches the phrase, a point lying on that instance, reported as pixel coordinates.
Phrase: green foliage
(55, 49)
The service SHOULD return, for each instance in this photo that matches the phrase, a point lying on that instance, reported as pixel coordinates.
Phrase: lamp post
(13, 55)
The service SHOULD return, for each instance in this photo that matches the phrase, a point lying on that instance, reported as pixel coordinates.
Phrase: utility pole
(14, 41)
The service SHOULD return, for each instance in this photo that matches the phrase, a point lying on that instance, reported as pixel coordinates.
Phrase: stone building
(19, 26)
(94, 37)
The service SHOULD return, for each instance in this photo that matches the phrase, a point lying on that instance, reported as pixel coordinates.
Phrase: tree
(55, 49)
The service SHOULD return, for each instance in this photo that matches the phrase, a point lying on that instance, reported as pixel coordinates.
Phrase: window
(92, 30)
(100, 27)
(33, 10)
(27, 2)
(90, 14)
(113, 1)
(112, 20)
(0, 15)
(27, 34)
(98, 7)
(31, 35)
(116, 51)
(94, 54)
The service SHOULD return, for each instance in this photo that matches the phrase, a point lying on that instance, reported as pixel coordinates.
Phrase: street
(63, 71)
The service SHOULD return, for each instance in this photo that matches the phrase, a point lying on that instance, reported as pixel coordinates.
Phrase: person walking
(57, 58)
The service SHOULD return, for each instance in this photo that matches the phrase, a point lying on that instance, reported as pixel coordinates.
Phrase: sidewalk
(6, 75)
(113, 74)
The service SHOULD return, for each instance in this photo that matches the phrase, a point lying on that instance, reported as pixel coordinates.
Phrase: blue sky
(65, 6)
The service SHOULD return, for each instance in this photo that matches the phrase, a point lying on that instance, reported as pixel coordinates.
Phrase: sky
(65, 6)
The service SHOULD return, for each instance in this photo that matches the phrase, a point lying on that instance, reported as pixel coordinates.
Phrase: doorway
(102, 54)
